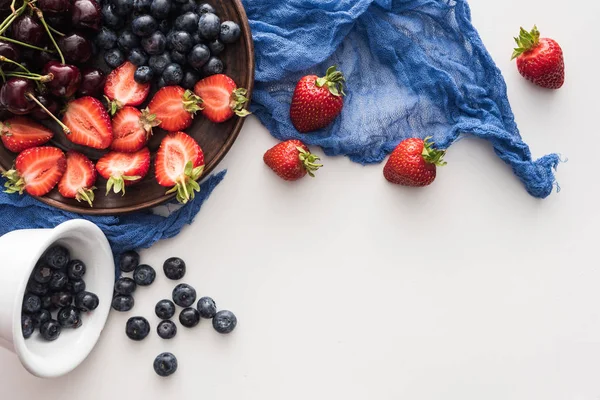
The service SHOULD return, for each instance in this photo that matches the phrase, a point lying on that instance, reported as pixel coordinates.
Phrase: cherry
(86, 14)
(75, 48)
(53, 7)
(59, 20)
(28, 30)
(66, 78)
(47, 101)
(10, 51)
(13, 95)
(92, 82)
(36, 59)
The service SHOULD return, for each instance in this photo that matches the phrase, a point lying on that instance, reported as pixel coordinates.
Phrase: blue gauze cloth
(414, 68)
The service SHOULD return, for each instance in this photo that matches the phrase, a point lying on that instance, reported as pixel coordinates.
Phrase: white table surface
(347, 287)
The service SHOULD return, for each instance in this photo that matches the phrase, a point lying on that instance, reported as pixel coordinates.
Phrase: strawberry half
(88, 122)
(20, 133)
(174, 107)
(179, 163)
(37, 171)
(132, 129)
(221, 98)
(122, 90)
(79, 178)
(123, 169)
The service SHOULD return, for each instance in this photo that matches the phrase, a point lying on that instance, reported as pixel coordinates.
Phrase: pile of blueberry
(183, 295)
(173, 42)
(56, 295)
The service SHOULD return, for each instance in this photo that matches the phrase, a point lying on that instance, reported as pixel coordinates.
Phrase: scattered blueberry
(106, 39)
(155, 43)
(122, 8)
(181, 41)
(164, 309)
(143, 74)
(111, 19)
(31, 303)
(173, 74)
(122, 302)
(137, 328)
(216, 47)
(199, 56)
(160, 8)
(86, 301)
(137, 57)
(75, 286)
(142, 6)
(50, 330)
(189, 317)
(178, 57)
(129, 260)
(39, 289)
(114, 57)
(165, 364)
(40, 317)
(230, 32)
(166, 329)
(75, 269)
(207, 307)
(61, 299)
(69, 317)
(144, 25)
(164, 26)
(205, 8)
(184, 295)
(213, 66)
(128, 41)
(125, 285)
(190, 78)
(57, 257)
(144, 275)
(224, 321)
(27, 325)
(159, 62)
(209, 26)
(58, 281)
(187, 22)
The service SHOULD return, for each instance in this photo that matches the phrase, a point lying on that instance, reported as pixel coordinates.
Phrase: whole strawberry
(291, 160)
(317, 101)
(539, 60)
(413, 163)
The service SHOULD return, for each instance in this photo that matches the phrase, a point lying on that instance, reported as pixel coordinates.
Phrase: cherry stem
(7, 39)
(40, 16)
(33, 77)
(11, 18)
(65, 128)
(2, 74)
(55, 31)
(8, 60)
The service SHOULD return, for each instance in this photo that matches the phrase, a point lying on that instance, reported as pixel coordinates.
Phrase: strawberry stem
(65, 128)
(432, 155)
(238, 101)
(526, 41)
(309, 161)
(85, 194)
(14, 182)
(191, 102)
(334, 80)
(187, 185)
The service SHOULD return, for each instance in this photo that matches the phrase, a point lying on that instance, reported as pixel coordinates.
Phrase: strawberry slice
(37, 171)
(132, 129)
(123, 169)
(179, 163)
(122, 90)
(20, 133)
(174, 107)
(221, 98)
(79, 178)
(88, 122)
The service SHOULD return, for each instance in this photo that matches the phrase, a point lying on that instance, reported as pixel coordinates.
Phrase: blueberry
(190, 78)
(207, 307)
(75, 269)
(155, 43)
(137, 57)
(209, 26)
(197, 38)
(181, 41)
(184, 295)
(205, 8)
(57, 257)
(128, 261)
(213, 66)
(42, 273)
(166, 329)
(199, 56)
(230, 32)
(111, 19)
(189, 317)
(216, 47)
(173, 74)
(224, 321)
(69, 317)
(128, 41)
(75, 286)
(187, 22)
(86, 301)
(142, 6)
(178, 57)
(61, 299)
(125, 286)
(58, 281)
(106, 39)
(143, 74)
(50, 330)
(31, 303)
(27, 325)
(137, 328)
(164, 26)
(144, 25)
(188, 6)
(39, 289)
(159, 62)
(47, 303)
(144, 275)
(160, 8)
(40, 317)
(164, 309)
(165, 364)
(114, 57)
(161, 82)
(122, 302)
(123, 8)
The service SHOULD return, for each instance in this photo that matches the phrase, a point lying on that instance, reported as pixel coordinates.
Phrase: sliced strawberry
(179, 163)
(122, 90)
(79, 178)
(132, 129)
(123, 169)
(37, 171)
(88, 122)
(221, 98)
(20, 133)
(175, 107)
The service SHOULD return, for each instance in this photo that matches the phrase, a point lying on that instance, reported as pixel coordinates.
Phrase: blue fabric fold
(414, 68)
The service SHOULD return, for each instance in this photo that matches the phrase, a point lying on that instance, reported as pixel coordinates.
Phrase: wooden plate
(215, 139)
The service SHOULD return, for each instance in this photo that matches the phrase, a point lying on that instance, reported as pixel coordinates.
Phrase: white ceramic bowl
(22, 249)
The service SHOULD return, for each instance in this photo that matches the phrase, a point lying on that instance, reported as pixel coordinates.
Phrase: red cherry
(66, 78)
(86, 14)
(12, 95)
(29, 30)
(92, 82)
(75, 48)
(47, 101)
